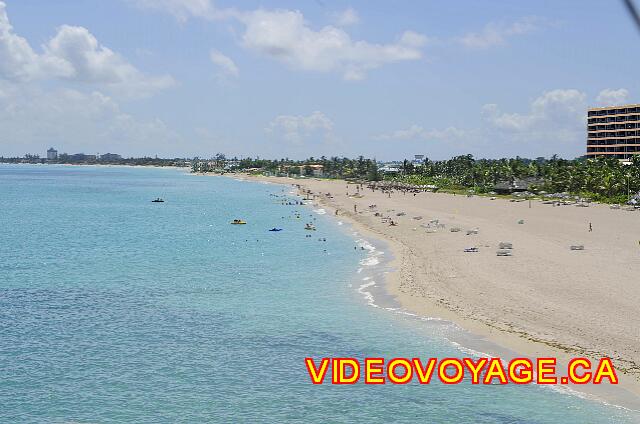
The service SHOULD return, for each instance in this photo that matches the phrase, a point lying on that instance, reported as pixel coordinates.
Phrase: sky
(274, 79)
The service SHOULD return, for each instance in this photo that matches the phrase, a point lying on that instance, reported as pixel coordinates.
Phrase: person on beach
(355, 208)
(590, 227)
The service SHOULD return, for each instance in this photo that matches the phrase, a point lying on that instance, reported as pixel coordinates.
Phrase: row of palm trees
(602, 179)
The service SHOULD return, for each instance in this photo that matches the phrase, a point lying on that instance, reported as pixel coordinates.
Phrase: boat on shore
(157, 200)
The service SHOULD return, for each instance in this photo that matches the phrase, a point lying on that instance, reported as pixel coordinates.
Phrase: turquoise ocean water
(115, 309)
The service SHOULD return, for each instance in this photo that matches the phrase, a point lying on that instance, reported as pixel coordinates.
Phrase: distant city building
(613, 131)
(52, 154)
(81, 157)
(110, 157)
(391, 168)
(316, 170)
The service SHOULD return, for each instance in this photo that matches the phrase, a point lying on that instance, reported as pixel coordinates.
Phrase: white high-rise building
(52, 154)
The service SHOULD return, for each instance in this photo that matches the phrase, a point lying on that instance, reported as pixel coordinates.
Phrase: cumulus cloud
(496, 34)
(18, 61)
(554, 123)
(31, 117)
(284, 35)
(73, 54)
(610, 97)
(553, 110)
(224, 63)
(347, 17)
(297, 129)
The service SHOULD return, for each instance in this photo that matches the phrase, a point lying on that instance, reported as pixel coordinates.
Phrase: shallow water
(116, 309)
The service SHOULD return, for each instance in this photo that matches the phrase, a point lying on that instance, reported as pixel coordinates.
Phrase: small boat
(276, 229)
(238, 222)
(157, 200)
(310, 227)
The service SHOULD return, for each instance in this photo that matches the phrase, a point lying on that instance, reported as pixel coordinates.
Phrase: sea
(114, 309)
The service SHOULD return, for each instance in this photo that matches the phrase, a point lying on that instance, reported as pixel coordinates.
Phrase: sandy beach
(544, 300)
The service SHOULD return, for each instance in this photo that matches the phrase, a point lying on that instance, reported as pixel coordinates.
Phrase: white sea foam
(367, 294)
(370, 261)
(468, 351)
(320, 211)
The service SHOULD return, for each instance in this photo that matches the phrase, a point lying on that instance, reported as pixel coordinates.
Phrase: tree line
(599, 179)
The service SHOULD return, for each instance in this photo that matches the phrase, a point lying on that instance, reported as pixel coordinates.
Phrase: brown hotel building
(613, 131)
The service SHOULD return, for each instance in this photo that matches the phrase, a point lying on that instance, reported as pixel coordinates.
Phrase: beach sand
(545, 300)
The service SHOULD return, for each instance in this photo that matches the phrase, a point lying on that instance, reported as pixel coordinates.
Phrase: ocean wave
(320, 211)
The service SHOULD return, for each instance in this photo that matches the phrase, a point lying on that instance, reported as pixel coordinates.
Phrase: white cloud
(18, 61)
(226, 65)
(284, 35)
(610, 97)
(73, 54)
(297, 129)
(417, 133)
(182, 10)
(31, 118)
(553, 110)
(496, 34)
(555, 123)
(347, 17)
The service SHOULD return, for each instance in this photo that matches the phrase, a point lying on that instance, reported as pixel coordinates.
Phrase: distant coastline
(158, 163)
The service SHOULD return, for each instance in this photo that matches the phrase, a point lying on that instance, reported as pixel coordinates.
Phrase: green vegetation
(602, 179)
(334, 167)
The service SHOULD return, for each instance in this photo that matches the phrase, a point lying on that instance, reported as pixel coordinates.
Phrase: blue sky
(324, 77)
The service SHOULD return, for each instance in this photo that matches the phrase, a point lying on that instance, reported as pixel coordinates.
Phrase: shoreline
(101, 165)
(475, 334)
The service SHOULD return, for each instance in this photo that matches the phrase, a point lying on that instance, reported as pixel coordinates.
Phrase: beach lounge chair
(505, 245)
(471, 250)
(577, 247)
(504, 253)
(472, 232)
(455, 230)
(521, 221)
